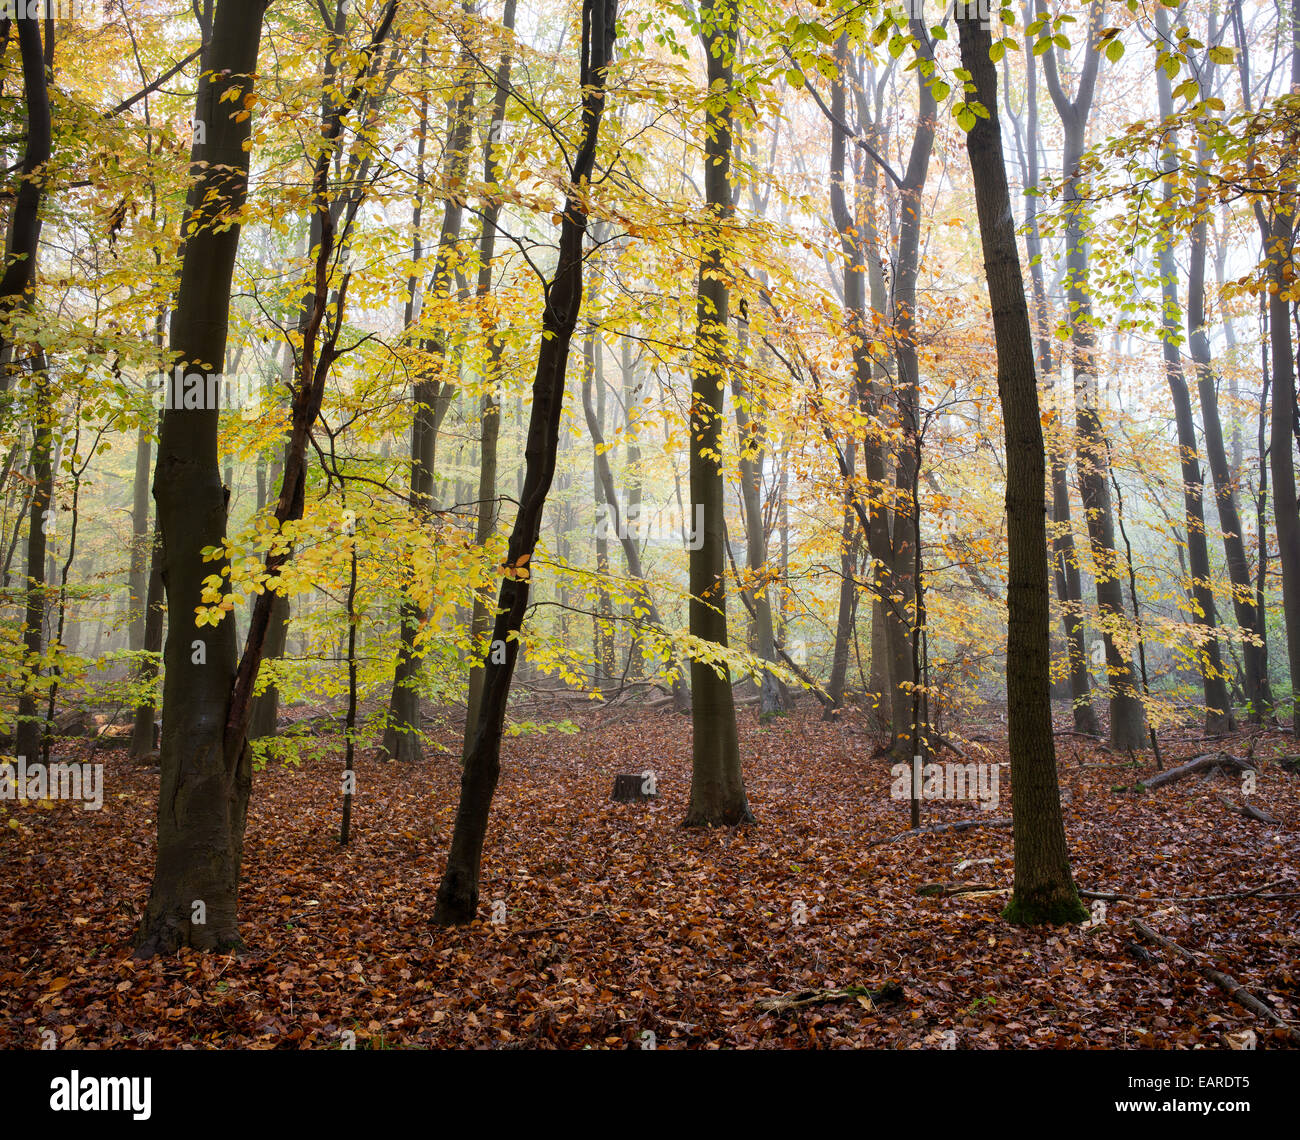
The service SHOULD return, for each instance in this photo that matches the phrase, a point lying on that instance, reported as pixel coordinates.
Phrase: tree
(1065, 562)
(206, 760)
(203, 795)
(1127, 727)
(430, 401)
(717, 784)
(1043, 890)
(1218, 708)
(458, 892)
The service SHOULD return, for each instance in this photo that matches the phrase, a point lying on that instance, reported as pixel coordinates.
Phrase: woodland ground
(617, 921)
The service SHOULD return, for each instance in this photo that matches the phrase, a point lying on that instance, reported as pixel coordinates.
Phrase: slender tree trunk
(143, 743)
(263, 720)
(431, 399)
(138, 582)
(1043, 890)
(458, 891)
(717, 783)
(644, 607)
(772, 694)
(1065, 560)
(41, 520)
(25, 222)
(1218, 707)
(1277, 230)
(632, 481)
(1127, 722)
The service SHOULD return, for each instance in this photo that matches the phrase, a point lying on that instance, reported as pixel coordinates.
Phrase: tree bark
(490, 408)
(41, 519)
(203, 797)
(1043, 890)
(1277, 231)
(458, 892)
(430, 400)
(1065, 560)
(717, 783)
(1127, 722)
(25, 223)
(1218, 706)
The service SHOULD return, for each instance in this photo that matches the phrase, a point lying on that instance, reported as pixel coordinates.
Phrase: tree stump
(634, 787)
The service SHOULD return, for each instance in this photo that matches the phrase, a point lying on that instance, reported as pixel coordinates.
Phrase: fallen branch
(1250, 811)
(1230, 986)
(964, 825)
(559, 922)
(947, 890)
(890, 991)
(940, 742)
(1198, 764)
(1254, 892)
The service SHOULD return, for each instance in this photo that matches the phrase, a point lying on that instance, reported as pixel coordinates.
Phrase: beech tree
(717, 783)
(203, 796)
(458, 892)
(1043, 890)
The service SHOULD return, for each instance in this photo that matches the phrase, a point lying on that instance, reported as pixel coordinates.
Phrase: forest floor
(615, 924)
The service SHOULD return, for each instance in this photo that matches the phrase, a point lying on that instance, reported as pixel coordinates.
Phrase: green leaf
(1115, 50)
(1222, 55)
(965, 116)
(997, 51)
(939, 89)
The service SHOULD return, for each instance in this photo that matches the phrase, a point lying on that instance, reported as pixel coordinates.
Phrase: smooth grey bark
(431, 399)
(29, 732)
(1127, 719)
(1065, 560)
(1218, 715)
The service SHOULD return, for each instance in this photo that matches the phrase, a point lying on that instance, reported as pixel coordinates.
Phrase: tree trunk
(143, 738)
(1278, 234)
(1218, 707)
(203, 798)
(25, 222)
(431, 398)
(1065, 561)
(1127, 727)
(41, 520)
(751, 430)
(717, 784)
(458, 891)
(1043, 890)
